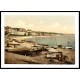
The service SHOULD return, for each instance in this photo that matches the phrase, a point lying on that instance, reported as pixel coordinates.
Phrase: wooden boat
(16, 50)
(57, 55)
(54, 55)
(59, 46)
(68, 47)
(24, 50)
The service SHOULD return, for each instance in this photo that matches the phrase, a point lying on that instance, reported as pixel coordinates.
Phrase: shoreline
(27, 37)
(14, 58)
(34, 36)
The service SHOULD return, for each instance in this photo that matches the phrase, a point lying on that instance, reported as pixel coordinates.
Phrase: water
(65, 40)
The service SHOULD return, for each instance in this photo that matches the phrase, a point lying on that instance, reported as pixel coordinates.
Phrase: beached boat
(16, 50)
(55, 54)
(24, 50)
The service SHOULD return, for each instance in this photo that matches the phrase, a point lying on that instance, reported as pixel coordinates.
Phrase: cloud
(20, 24)
(56, 24)
(63, 28)
(41, 22)
(30, 26)
(57, 27)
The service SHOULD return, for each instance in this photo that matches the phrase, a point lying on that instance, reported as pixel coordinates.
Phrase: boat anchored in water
(68, 47)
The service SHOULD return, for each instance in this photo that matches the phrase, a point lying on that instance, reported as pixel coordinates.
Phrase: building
(29, 32)
(7, 30)
(19, 29)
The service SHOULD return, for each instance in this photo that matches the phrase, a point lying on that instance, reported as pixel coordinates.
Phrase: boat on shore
(68, 47)
(16, 50)
(24, 50)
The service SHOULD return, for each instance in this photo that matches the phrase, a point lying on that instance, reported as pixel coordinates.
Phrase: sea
(67, 40)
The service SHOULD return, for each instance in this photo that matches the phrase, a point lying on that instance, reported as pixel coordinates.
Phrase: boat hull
(17, 50)
(23, 51)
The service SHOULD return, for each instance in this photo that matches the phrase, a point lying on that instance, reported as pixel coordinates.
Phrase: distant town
(27, 32)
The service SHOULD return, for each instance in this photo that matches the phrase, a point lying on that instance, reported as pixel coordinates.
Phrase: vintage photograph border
(36, 67)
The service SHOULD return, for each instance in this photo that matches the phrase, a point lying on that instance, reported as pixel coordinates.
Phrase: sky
(47, 23)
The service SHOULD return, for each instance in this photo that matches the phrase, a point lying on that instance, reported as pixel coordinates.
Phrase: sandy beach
(13, 58)
(27, 37)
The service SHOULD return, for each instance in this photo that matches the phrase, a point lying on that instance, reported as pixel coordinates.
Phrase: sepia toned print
(39, 39)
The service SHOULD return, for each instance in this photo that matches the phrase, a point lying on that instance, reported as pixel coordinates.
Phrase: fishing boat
(54, 55)
(23, 50)
(51, 52)
(16, 50)
(68, 47)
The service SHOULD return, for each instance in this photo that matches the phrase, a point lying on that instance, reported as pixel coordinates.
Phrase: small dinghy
(68, 47)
